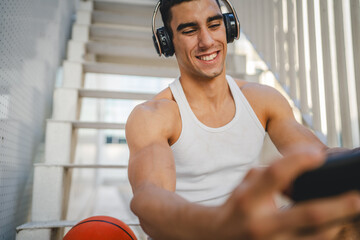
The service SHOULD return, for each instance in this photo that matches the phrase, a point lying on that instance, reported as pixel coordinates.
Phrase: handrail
(313, 49)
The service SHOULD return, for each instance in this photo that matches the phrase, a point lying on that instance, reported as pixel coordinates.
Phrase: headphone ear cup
(230, 25)
(156, 44)
(165, 41)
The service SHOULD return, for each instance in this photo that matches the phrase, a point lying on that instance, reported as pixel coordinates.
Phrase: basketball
(100, 227)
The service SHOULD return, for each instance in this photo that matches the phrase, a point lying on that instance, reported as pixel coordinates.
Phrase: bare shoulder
(267, 102)
(260, 93)
(153, 120)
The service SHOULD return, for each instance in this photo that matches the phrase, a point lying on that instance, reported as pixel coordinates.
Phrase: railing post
(355, 23)
(304, 99)
(281, 45)
(349, 120)
(314, 66)
(330, 74)
(292, 45)
(272, 35)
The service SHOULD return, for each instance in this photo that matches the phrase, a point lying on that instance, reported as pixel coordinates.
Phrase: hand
(250, 213)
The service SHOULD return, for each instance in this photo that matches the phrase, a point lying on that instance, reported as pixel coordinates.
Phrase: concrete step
(145, 49)
(61, 135)
(87, 93)
(49, 230)
(143, 67)
(131, 67)
(129, 18)
(91, 166)
(97, 125)
(66, 104)
(131, 13)
(51, 196)
(120, 6)
(119, 33)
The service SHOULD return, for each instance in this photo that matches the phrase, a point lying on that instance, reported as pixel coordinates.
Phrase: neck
(206, 91)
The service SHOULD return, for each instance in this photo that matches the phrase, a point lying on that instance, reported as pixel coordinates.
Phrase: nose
(205, 39)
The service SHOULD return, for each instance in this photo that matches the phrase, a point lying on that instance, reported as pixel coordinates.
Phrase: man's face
(199, 38)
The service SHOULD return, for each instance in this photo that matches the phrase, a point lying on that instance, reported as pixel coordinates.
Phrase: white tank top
(211, 162)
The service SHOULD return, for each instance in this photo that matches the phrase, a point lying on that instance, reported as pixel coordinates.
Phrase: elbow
(137, 206)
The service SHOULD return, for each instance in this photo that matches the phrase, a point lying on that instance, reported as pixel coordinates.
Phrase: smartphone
(339, 174)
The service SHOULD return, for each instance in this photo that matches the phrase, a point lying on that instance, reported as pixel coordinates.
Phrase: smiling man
(191, 147)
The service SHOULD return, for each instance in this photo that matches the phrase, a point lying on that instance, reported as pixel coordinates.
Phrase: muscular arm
(283, 128)
(247, 214)
(285, 131)
(162, 213)
(276, 116)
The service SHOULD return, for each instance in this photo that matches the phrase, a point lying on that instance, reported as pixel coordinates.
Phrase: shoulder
(267, 102)
(250, 88)
(154, 118)
(259, 93)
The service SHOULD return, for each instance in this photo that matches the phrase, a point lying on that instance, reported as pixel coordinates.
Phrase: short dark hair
(166, 15)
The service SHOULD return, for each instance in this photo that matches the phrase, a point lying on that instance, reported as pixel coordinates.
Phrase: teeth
(208, 58)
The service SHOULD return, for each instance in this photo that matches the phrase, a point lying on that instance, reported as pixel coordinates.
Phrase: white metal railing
(313, 49)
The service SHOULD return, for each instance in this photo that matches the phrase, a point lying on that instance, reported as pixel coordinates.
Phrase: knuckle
(314, 216)
(273, 173)
(243, 204)
(252, 231)
(251, 173)
(326, 235)
(353, 201)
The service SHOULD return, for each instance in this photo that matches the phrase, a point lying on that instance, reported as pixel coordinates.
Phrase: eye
(188, 31)
(215, 25)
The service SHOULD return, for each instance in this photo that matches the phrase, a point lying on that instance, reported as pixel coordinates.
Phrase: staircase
(109, 37)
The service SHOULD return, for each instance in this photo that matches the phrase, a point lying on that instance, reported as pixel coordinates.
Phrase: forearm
(165, 215)
(339, 150)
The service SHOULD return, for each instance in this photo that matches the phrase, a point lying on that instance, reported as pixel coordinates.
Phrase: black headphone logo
(163, 43)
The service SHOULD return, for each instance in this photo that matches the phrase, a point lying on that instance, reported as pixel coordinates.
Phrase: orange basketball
(100, 227)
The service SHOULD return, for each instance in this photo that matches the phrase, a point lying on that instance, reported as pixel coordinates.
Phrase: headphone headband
(153, 28)
(163, 43)
(237, 21)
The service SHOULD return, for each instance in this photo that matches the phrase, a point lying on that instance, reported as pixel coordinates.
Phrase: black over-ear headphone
(162, 40)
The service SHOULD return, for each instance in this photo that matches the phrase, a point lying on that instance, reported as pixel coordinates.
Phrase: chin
(213, 74)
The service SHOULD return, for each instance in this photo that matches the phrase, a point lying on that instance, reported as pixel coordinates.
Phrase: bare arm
(282, 126)
(162, 213)
(247, 214)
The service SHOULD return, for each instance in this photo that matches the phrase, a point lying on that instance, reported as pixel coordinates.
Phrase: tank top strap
(240, 100)
(180, 98)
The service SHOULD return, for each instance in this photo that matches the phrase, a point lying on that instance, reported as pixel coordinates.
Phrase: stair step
(45, 225)
(145, 49)
(98, 125)
(143, 68)
(121, 6)
(130, 18)
(113, 33)
(90, 125)
(86, 93)
(92, 166)
(140, 69)
(56, 224)
(138, 13)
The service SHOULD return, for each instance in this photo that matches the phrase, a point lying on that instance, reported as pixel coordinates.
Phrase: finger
(253, 173)
(278, 176)
(328, 234)
(321, 214)
(311, 218)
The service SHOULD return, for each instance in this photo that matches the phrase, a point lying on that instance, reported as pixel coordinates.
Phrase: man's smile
(208, 57)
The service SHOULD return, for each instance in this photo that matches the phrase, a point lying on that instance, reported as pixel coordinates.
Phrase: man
(191, 146)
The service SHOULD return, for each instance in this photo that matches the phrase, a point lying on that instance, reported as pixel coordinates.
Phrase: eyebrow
(193, 24)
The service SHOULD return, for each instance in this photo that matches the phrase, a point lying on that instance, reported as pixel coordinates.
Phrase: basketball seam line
(105, 222)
